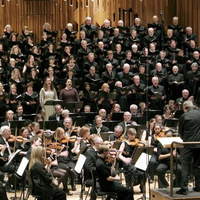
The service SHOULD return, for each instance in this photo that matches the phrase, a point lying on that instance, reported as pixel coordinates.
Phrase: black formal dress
(42, 184)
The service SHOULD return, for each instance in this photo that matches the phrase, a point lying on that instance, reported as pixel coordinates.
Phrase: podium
(73, 106)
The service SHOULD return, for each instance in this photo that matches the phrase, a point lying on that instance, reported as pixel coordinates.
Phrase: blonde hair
(36, 156)
(57, 133)
(84, 130)
(105, 85)
(14, 47)
(13, 73)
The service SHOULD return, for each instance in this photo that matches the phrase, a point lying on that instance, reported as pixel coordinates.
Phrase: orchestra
(114, 86)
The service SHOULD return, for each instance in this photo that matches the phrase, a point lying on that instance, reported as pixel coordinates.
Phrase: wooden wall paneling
(198, 24)
(194, 16)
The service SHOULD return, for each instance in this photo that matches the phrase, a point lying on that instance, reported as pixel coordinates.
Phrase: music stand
(12, 158)
(29, 116)
(117, 116)
(105, 135)
(79, 120)
(89, 116)
(20, 172)
(140, 150)
(52, 125)
(139, 120)
(73, 106)
(172, 122)
(53, 102)
(79, 164)
(151, 113)
(17, 124)
(111, 124)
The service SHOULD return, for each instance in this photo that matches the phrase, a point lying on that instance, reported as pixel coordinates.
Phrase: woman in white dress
(47, 93)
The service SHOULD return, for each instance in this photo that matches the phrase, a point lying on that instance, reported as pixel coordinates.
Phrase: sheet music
(80, 163)
(12, 156)
(22, 166)
(143, 161)
(167, 141)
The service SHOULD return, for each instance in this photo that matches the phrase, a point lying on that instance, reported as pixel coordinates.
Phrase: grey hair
(4, 128)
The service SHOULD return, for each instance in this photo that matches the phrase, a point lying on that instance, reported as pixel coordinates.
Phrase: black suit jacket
(5, 123)
(6, 153)
(90, 163)
(16, 117)
(53, 117)
(93, 129)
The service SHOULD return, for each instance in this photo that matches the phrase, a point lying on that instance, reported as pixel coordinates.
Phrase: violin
(121, 138)
(55, 145)
(67, 139)
(11, 139)
(161, 134)
(137, 142)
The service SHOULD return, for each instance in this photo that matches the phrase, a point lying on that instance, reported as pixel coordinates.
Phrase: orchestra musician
(18, 116)
(91, 158)
(8, 118)
(149, 131)
(66, 159)
(164, 164)
(107, 182)
(51, 150)
(152, 140)
(127, 149)
(5, 154)
(98, 127)
(43, 184)
(117, 135)
(82, 140)
(126, 121)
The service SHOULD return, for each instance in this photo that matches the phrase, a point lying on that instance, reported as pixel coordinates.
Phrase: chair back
(93, 180)
(30, 182)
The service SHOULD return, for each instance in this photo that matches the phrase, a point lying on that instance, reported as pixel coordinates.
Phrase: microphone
(161, 13)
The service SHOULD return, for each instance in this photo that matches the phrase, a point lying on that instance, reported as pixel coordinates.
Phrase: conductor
(189, 129)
